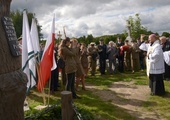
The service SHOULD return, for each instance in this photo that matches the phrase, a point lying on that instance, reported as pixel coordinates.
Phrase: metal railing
(79, 116)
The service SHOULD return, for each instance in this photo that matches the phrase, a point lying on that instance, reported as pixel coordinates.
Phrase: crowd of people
(79, 59)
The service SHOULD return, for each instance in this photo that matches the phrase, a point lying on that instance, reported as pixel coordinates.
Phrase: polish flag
(47, 62)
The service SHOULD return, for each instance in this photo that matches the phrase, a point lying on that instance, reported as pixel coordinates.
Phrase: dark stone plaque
(11, 36)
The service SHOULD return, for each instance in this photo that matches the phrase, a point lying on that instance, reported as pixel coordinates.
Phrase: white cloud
(97, 17)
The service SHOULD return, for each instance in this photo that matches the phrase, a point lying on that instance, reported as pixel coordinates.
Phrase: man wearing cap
(135, 65)
(155, 66)
(102, 49)
(92, 58)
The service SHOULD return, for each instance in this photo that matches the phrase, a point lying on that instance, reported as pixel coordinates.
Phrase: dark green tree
(89, 39)
(82, 39)
(166, 34)
(17, 17)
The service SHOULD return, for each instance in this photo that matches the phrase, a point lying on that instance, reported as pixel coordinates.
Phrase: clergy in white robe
(155, 66)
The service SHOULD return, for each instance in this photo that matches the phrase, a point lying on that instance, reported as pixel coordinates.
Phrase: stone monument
(129, 37)
(12, 80)
(59, 36)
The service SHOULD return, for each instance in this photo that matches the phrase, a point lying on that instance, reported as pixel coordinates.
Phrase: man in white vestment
(155, 66)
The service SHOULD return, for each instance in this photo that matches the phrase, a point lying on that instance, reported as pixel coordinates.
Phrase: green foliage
(17, 17)
(108, 38)
(160, 104)
(53, 113)
(89, 39)
(166, 34)
(82, 39)
(17, 20)
(136, 27)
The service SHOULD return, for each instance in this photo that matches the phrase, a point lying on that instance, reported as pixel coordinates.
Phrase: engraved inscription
(11, 36)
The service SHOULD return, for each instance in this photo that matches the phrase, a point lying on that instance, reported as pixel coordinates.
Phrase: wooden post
(66, 106)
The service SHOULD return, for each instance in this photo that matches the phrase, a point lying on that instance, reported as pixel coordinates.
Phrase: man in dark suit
(102, 56)
(120, 55)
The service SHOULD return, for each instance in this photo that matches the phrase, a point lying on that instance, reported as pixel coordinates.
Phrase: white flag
(28, 60)
(34, 36)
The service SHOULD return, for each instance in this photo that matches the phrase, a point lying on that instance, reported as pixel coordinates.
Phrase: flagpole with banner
(36, 47)
(28, 60)
(64, 31)
(47, 62)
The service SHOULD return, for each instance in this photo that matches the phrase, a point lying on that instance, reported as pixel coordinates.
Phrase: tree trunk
(12, 79)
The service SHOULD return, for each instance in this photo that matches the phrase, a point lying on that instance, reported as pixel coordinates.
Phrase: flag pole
(49, 91)
(39, 75)
(64, 31)
(47, 60)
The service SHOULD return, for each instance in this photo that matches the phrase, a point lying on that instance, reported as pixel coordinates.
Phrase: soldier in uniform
(135, 57)
(92, 58)
(127, 53)
(84, 58)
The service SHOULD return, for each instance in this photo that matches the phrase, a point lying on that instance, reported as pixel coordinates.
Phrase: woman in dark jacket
(68, 55)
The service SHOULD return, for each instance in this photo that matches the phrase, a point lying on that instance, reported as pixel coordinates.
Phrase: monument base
(12, 95)
(129, 39)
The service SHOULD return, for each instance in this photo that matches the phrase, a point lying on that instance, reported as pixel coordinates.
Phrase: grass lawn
(92, 107)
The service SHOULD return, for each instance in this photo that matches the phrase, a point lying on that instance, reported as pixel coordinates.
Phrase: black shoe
(76, 97)
(83, 88)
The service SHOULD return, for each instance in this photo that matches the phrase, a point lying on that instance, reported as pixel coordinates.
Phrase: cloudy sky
(97, 17)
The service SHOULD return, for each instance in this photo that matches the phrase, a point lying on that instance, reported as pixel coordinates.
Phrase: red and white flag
(47, 62)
